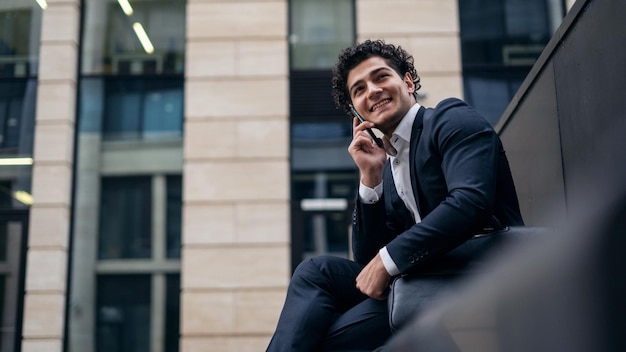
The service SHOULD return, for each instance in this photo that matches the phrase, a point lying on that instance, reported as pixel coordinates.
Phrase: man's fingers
(379, 295)
(357, 126)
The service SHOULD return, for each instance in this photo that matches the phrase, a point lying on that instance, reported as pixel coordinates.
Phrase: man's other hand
(374, 279)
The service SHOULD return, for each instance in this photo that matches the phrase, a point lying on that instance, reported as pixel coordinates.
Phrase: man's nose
(373, 90)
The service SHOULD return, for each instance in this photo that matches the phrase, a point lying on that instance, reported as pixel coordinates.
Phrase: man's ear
(408, 79)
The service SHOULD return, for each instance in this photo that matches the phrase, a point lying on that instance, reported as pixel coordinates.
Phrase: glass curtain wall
(20, 28)
(128, 197)
(323, 176)
(500, 41)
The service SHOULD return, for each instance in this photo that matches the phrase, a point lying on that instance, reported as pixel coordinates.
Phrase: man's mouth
(379, 104)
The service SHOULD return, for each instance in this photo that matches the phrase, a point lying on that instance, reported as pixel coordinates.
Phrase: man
(441, 177)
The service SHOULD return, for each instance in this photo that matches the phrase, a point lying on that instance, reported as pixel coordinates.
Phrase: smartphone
(378, 141)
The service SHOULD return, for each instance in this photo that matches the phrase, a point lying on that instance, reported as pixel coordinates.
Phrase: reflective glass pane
(173, 210)
(132, 109)
(490, 93)
(17, 115)
(20, 28)
(18, 98)
(129, 123)
(122, 110)
(500, 41)
(326, 233)
(2, 296)
(163, 112)
(321, 132)
(3, 242)
(133, 37)
(324, 227)
(172, 312)
(13, 250)
(319, 30)
(125, 218)
(123, 313)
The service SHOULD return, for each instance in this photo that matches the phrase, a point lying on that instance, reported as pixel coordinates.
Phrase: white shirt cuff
(389, 264)
(370, 195)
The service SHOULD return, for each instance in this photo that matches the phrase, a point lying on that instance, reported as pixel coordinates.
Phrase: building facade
(165, 164)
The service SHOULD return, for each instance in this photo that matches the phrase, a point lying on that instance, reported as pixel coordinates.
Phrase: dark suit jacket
(460, 178)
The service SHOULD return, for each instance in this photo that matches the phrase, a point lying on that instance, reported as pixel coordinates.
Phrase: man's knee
(314, 266)
(322, 267)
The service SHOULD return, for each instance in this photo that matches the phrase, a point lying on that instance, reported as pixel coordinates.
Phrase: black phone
(378, 141)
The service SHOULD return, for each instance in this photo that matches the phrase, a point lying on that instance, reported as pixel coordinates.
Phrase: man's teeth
(380, 104)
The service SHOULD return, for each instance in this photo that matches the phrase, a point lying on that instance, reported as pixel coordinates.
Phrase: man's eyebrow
(371, 73)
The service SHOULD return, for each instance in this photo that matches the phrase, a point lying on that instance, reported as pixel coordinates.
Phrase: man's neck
(406, 113)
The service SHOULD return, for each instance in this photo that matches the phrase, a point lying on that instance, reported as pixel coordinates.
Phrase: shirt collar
(402, 132)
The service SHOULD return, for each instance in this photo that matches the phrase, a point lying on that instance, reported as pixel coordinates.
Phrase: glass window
(17, 116)
(20, 31)
(490, 92)
(132, 87)
(13, 230)
(322, 227)
(20, 28)
(129, 140)
(2, 294)
(125, 218)
(500, 41)
(320, 134)
(134, 37)
(123, 313)
(2, 302)
(132, 109)
(3, 244)
(302, 132)
(326, 233)
(173, 216)
(319, 30)
(141, 109)
(172, 309)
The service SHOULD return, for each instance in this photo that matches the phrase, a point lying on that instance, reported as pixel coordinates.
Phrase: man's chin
(382, 116)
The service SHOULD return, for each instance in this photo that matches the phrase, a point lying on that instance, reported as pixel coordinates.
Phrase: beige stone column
(235, 256)
(428, 29)
(47, 256)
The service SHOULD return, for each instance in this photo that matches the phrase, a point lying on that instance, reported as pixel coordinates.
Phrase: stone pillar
(235, 245)
(47, 255)
(428, 29)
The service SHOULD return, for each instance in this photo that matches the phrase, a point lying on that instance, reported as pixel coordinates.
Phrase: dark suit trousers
(324, 311)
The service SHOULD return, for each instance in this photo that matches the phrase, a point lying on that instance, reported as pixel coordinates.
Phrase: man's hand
(368, 157)
(374, 279)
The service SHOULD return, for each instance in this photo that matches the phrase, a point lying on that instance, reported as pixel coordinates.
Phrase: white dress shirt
(400, 164)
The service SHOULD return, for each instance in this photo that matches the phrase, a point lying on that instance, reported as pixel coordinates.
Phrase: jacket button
(412, 259)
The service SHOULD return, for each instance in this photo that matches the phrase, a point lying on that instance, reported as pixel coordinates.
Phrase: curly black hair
(397, 58)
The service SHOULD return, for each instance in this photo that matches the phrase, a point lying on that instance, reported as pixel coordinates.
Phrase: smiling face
(380, 94)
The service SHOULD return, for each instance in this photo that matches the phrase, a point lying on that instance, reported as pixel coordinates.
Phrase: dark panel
(591, 81)
(531, 141)
(311, 99)
(587, 56)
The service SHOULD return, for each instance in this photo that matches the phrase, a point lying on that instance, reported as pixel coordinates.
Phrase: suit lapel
(416, 134)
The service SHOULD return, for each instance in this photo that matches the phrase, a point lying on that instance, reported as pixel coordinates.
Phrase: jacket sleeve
(467, 148)
(372, 228)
